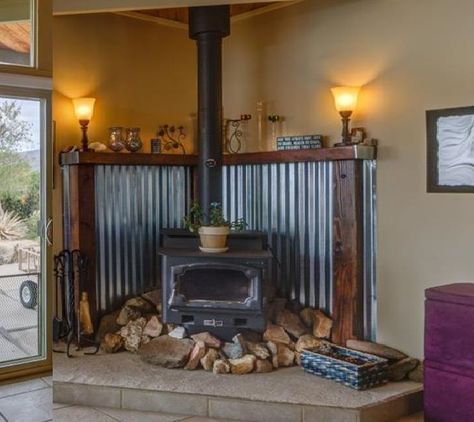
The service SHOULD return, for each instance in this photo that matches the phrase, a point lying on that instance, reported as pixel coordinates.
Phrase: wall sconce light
(345, 99)
(84, 109)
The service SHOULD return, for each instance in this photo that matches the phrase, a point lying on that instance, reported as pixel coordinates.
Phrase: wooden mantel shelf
(355, 152)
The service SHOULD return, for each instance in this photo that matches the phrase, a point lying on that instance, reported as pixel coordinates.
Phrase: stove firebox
(221, 293)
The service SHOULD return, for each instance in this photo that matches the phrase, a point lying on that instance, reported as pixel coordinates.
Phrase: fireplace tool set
(72, 322)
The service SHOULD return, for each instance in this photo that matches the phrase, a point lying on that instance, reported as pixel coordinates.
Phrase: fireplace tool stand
(70, 271)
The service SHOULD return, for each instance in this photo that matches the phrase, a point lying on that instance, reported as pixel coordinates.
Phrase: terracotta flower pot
(214, 239)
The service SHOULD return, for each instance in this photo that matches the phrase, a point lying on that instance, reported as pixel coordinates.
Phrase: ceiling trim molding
(180, 25)
(73, 7)
(154, 19)
(25, 81)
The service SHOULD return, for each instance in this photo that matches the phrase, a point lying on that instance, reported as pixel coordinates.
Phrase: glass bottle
(133, 143)
(116, 142)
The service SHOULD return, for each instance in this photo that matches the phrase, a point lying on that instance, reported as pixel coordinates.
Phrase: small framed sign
(450, 150)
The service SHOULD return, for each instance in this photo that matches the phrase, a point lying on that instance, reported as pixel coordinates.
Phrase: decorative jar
(116, 141)
(133, 142)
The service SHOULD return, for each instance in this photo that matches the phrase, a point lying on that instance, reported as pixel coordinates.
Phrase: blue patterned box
(369, 372)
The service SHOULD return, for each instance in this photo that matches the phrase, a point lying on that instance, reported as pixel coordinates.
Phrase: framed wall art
(450, 150)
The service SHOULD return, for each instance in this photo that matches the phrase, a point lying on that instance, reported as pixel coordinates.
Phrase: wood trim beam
(348, 283)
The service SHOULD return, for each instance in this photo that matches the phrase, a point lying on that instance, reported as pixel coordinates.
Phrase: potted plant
(213, 235)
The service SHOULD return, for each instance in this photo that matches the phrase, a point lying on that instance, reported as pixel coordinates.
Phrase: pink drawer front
(449, 333)
(448, 396)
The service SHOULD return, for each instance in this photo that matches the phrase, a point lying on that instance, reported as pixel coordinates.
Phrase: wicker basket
(358, 376)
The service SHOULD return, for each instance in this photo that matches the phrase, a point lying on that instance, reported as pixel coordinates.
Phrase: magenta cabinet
(449, 353)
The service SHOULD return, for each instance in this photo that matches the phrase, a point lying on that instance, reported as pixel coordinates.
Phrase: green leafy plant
(196, 218)
(12, 227)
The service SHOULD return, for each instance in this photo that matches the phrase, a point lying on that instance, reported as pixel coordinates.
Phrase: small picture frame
(155, 146)
(450, 150)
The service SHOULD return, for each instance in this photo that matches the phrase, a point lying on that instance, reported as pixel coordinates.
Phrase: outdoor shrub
(12, 227)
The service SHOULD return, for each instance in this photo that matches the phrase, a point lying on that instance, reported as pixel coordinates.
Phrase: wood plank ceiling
(180, 14)
(15, 36)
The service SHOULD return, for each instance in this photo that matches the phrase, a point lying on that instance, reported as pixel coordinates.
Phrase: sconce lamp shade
(84, 108)
(345, 97)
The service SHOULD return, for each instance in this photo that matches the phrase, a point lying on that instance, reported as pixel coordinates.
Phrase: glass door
(24, 230)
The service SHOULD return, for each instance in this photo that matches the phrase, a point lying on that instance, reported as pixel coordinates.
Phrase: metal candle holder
(172, 137)
(233, 133)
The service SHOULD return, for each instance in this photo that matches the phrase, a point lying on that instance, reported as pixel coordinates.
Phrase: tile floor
(31, 401)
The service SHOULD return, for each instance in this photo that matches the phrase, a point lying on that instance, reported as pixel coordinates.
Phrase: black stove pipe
(208, 26)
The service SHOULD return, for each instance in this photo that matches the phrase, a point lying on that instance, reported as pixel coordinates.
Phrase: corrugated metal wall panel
(292, 203)
(133, 203)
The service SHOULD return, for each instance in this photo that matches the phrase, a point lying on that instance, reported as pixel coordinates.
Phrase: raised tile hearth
(288, 395)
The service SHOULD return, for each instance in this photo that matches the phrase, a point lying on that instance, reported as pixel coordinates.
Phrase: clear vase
(133, 142)
(116, 141)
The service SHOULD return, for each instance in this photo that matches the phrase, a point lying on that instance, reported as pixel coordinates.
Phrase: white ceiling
(70, 7)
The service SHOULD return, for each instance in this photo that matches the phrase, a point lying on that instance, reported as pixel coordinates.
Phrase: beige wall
(411, 56)
(142, 74)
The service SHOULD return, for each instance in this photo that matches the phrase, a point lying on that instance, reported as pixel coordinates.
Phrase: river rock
(417, 374)
(179, 332)
(112, 343)
(273, 348)
(286, 357)
(376, 349)
(167, 351)
(154, 297)
(399, 370)
(127, 314)
(276, 334)
(207, 361)
(322, 325)
(307, 341)
(258, 349)
(251, 336)
(221, 366)
(108, 324)
(263, 366)
(274, 308)
(132, 334)
(197, 354)
(294, 306)
(291, 323)
(307, 316)
(140, 304)
(242, 366)
(153, 327)
(208, 339)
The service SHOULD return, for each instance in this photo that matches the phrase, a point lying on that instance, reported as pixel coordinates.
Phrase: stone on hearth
(179, 333)
(168, 328)
(322, 325)
(208, 339)
(258, 349)
(127, 314)
(286, 357)
(233, 350)
(274, 308)
(132, 334)
(307, 341)
(273, 348)
(154, 297)
(400, 369)
(276, 334)
(251, 336)
(108, 324)
(145, 340)
(140, 304)
(417, 374)
(376, 349)
(242, 366)
(294, 306)
(112, 343)
(221, 366)
(263, 366)
(197, 354)
(167, 351)
(298, 358)
(307, 316)
(153, 327)
(207, 361)
(291, 323)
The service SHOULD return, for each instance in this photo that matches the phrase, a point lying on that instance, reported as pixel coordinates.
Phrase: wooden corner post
(348, 284)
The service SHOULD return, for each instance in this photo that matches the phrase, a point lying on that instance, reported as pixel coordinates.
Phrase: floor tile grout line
(3, 417)
(24, 392)
(106, 414)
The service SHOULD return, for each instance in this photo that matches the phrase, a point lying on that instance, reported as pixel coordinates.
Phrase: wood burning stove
(221, 293)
